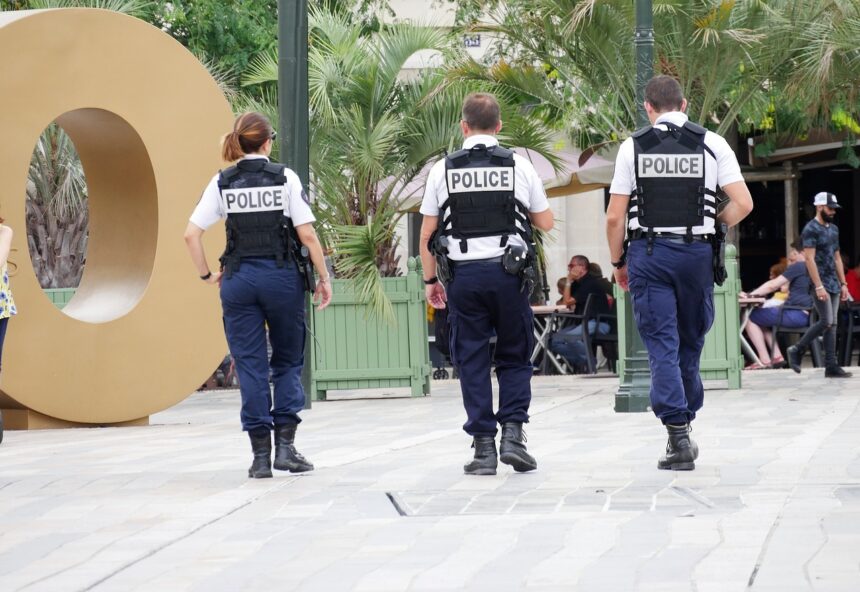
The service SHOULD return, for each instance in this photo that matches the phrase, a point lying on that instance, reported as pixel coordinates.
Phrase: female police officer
(266, 211)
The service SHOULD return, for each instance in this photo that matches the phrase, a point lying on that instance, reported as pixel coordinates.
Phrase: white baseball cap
(825, 199)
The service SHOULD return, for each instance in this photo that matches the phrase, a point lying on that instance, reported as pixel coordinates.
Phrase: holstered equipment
(437, 248)
(718, 243)
(303, 258)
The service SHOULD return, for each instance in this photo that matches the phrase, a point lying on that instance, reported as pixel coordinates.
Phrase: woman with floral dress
(7, 303)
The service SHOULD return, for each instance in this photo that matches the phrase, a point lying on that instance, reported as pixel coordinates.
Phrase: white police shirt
(528, 189)
(212, 206)
(722, 171)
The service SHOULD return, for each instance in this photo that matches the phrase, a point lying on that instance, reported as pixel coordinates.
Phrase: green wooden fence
(59, 296)
(352, 350)
(721, 357)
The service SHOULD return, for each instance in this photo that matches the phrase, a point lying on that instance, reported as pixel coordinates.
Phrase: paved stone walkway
(774, 504)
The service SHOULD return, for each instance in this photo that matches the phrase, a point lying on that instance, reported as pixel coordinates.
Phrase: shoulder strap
(646, 138)
(642, 131)
(694, 128)
(457, 159)
(501, 156)
(277, 169)
(226, 176)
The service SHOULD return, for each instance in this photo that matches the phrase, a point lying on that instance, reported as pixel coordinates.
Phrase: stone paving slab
(774, 503)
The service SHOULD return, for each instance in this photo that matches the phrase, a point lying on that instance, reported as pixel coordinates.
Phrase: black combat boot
(792, 356)
(836, 372)
(262, 447)
(486, 460)
(681, 451)
(287, 458)
(512, 448)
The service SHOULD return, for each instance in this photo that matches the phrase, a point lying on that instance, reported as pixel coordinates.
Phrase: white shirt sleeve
(298, 205)
(538, 201)
(728, 169)
(209, 209)
(624, 179)
(430, 201)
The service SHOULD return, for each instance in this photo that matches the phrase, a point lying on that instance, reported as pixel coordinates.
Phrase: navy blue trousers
(257, 295)
(484, 301)
(673, 303)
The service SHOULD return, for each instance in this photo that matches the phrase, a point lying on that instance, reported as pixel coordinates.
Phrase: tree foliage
(373, 130)
(778, 66)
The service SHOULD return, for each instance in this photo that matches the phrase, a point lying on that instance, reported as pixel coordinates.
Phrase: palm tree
(56, 211)
(373, 131)
(57, 217)
(728, 55)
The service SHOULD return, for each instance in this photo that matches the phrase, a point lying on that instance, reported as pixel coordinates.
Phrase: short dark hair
(481, 111)
(664, 93)
(581, 260)
(797, 245)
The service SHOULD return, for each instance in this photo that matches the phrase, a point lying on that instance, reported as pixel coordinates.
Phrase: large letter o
(142, 332)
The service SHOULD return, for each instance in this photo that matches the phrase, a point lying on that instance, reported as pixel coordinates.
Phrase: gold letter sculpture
(142, 332)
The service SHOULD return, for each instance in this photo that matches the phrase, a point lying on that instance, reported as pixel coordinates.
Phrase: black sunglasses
(274, 136)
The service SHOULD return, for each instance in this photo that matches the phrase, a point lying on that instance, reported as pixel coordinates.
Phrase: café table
(747, 305)
(544, 322)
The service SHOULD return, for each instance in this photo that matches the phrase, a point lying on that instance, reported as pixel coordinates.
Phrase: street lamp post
(293, 113)
(633, 393)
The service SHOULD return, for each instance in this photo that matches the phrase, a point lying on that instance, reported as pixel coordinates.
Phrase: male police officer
(665, 186)
(820, 239)
(479, 206)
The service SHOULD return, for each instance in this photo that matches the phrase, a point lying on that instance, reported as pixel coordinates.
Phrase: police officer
(479, 206)
(820, 239)
(665, 188)
(266, 213)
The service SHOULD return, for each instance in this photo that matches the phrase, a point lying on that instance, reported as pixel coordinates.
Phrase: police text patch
(254, 199)
(671, 165)
(480, 179)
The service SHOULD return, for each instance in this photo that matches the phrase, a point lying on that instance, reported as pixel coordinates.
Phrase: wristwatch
(620, 263)
(431, 281)
(206, 277)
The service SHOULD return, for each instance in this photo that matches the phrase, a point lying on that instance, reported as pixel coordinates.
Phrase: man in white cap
(820, 239)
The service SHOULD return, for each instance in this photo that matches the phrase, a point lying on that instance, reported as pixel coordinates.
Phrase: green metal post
(635, 380)
(293, 116)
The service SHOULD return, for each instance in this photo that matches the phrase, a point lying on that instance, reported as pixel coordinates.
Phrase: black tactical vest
(254, 197)
(481, 200)
(670, 178)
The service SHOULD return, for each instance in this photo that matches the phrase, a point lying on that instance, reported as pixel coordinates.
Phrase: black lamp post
(293, 112)
(635, 385)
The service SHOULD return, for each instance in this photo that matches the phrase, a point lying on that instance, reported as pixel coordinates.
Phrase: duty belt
(672, 236)
(472, 261)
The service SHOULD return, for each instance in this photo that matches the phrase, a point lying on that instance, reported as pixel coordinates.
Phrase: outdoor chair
(848, 330)
(778, 329)
(607, 341)
(566, 319)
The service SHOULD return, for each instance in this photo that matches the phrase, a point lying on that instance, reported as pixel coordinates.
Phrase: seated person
(762, 319)
(561, 284)
(595, 270)
(567, 342)
(852, 278)
(777, 298)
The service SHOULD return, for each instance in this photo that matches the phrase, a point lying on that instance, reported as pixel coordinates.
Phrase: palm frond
(357, 254)
(130, 7)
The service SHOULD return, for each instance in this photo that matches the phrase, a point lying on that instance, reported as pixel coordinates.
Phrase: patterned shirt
(825, 240)
(7, 303)
(799, 286)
